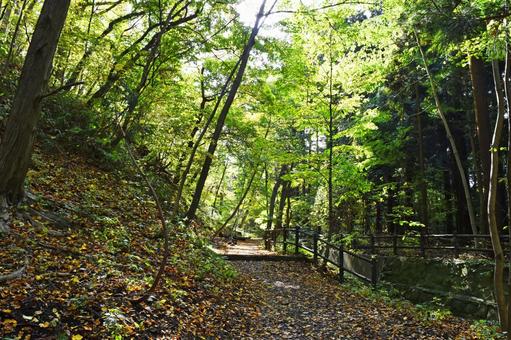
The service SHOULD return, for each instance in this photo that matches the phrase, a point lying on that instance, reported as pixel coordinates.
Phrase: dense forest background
(347, 117)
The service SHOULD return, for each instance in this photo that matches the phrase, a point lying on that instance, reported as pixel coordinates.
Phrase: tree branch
(325, 7)
(60, 89)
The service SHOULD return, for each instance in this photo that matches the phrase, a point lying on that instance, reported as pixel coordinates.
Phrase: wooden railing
(429, 244)
(313, 242)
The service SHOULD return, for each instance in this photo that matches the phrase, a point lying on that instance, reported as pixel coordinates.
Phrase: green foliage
(485, 329)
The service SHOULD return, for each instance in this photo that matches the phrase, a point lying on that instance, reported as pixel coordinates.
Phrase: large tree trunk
(482, 118)
(16, 146)
(223, 115)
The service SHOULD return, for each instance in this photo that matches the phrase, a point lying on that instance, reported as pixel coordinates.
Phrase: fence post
(373, 249)
(423, 244)
(284, 244)
(374, 272)
(394, 243)
(341, 263)
(455, 244)
(315, 246)
(297, 240)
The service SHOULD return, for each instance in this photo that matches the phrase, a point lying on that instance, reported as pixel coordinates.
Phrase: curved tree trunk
(459, 164)
(223, 115)
(16, 146)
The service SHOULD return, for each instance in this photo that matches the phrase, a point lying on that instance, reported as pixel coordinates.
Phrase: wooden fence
(361, 266)
(367, 266)
(429, 244)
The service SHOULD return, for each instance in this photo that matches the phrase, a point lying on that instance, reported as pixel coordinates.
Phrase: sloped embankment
(90, 241)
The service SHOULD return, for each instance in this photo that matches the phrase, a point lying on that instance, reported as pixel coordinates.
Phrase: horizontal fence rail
(441, 244)
(361, 266)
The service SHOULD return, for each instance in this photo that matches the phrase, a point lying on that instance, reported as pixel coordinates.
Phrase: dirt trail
(250, 247)
(297, 302)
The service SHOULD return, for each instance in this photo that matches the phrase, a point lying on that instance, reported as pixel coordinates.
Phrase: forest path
(298, 302)
(249, 247)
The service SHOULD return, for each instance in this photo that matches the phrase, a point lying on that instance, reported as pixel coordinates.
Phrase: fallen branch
(16, 274)
(58, 221)
(39, 227)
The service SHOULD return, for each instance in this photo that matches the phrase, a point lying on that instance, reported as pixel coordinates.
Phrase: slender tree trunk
(15, 34)
(392, 226)
(482, 119)
(184, 176)
(219, 186)
(449, 217)
(282, 204)
(499, 279)
(507, 88)
(273, 197)
(330, 146)
(223, 115)
(423, 188)
(462, 217)
(450, 137)
(16, 146)
(287, 222)
(240, 202)
(7, 16)
(378, 218)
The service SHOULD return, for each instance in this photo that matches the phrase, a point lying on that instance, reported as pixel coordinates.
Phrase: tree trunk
(449, 217)
(219, 186)
(450, 137)
(423, 188)
(507, 89)
(273, 197)
(15, 34)
(7, 17)
(240, 202)
(282, 204)
(498, 279)
(462, 217)
(330, 146)
(16, 146)
(378, 225)
(223, 115)
(482, 119)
